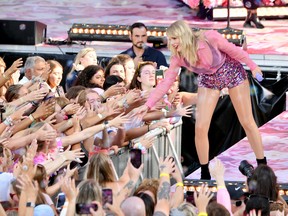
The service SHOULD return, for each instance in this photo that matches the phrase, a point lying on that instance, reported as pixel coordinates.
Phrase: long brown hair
(100, 169)
(135, 82)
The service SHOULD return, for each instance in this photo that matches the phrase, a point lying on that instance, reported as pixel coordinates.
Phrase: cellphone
(107, 196)
(84, 208)
(159, 76)
(190, 197)
(136, 157)
(60, 200)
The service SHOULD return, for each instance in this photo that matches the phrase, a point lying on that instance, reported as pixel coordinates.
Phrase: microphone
(259, 77)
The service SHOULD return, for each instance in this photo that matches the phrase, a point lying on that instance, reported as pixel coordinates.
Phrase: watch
(30, 204)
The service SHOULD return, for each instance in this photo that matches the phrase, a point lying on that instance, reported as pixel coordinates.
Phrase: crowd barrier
(165, 144)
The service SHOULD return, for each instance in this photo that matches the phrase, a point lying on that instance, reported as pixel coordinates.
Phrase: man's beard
(140, 45)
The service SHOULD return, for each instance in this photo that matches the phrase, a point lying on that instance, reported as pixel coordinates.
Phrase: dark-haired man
(140, 51)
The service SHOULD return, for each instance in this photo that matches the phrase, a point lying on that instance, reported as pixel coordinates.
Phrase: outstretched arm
(163, 87)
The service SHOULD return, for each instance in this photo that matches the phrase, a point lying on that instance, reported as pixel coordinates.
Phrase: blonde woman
(84, 58)
(218, 64)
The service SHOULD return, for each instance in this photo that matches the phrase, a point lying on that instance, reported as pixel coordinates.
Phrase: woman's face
(89, 59)
(60, 114)
(118, 70)
(55, 77)
(147, 76)
(98, 78)
(129, 70)
(175, 43)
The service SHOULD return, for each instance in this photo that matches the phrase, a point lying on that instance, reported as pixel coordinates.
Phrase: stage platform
(268, 47)
(275, 141)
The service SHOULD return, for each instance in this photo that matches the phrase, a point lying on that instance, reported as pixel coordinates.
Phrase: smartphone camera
(136, 157)
(107, 196)
(190, 197)
(84, 208)
(60, 201)
(159, 76)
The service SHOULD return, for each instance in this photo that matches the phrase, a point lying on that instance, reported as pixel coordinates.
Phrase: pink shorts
(229, 75)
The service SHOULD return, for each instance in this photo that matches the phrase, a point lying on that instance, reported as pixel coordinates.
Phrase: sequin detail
(230, 74)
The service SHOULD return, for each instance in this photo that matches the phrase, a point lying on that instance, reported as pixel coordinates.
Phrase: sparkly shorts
(229, 75)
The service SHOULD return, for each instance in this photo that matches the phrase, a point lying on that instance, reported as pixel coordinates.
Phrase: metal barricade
(164, 145)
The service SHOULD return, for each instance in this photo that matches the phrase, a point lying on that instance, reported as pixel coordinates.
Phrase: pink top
(210, 60)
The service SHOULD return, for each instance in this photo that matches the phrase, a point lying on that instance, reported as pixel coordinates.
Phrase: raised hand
(167, 165)
(202, 198)
(28, 187)
(183, 111)
(15, 66)
(119, 121)
(217, 171)
(73, 155)
(18, 114)
(69, 188)
(46, 132)
(44, 109)
(71, 108)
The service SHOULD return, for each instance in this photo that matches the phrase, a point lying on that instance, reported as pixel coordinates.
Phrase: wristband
(164, 111)
(202, 214)
(220, 187)
(179, 184)
(30, 204)
(100, 115)
(8, 121)
(31, 117)
(164, 175)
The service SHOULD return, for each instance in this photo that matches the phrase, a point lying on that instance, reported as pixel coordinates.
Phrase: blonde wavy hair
(80, 55)
(188, 40)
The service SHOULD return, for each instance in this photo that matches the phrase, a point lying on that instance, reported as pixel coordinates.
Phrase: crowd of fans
(57, 141)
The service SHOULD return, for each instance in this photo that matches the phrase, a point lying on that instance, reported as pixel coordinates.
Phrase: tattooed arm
(163, 195)
(130, 178)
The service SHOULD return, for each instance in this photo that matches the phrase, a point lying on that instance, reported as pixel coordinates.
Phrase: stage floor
(275, 141)
(60, 15)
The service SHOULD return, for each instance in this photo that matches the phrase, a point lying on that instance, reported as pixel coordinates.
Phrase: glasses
(237, 203)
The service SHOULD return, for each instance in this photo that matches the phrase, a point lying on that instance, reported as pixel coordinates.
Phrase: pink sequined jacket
(209, 62)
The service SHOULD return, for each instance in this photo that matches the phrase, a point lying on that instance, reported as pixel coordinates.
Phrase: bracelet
(34, 104)
(164, 175)
(100, 115)
(103, 96)
(31, 117)
(164, 112)
(140, 146)
(179, 184)
(220, 187)
(125, 104)
(202, 214)
(8, 121)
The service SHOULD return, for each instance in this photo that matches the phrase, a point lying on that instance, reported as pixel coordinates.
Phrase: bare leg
(240, 97)
(206, 102)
